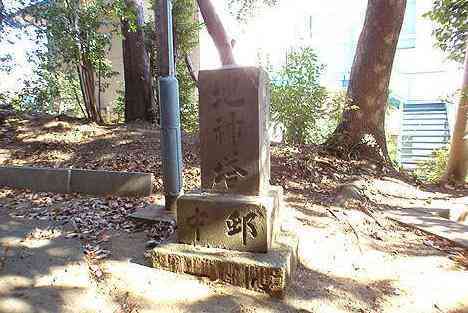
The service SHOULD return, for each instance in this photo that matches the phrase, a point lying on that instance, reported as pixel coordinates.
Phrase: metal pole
(171, 146)
(170, 38)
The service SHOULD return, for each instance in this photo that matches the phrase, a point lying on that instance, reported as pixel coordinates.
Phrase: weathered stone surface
(108, 182)
(37, 179)
(243, 223)
(268, 273)
(234, 114)
(276, 192)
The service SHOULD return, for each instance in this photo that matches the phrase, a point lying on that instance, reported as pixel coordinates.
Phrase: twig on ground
(349, 224)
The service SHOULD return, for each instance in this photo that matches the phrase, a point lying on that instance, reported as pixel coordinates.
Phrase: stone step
(412, 155)
(416, 148)
(423, 113)
(425, 110)
(424, 130)
(443, 124)
(424, 105)
(440, 144)
(425, 136)
(426, 119)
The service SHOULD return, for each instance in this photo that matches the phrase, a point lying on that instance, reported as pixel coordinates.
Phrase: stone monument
(230, 229)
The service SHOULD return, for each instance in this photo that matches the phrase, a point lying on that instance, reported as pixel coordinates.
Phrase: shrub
(304, 108)
(433, 169)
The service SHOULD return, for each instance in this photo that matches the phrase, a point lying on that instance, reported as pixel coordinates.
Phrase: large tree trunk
(217, 32)
(457, 165)
(361, 133)
(138, 86)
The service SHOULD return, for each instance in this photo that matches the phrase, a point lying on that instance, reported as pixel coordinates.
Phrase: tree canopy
(245, 9)
(451, 26)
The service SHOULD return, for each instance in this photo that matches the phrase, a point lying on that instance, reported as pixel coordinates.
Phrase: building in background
(422, 77)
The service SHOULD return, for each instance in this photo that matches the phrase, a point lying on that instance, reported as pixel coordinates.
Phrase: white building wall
(116, 82)
(422, 72)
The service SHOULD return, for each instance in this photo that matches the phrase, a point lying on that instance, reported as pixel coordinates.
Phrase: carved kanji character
(245, 224)
(196, 221)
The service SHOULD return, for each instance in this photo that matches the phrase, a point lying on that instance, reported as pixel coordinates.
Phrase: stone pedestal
(230, 230)
(263, 272)
(235, 222)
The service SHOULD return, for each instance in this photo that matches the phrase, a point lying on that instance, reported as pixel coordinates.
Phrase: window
(408, 31)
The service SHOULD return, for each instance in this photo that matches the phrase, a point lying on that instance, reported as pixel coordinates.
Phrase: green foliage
(392, 139)
(6, 63)
(119, 106)
(54, 93)
(245, 9)
(392, 147)
(433, 169)
(451, 31)
(186, 27)
(307, 112)
(69, 35)
(186, 31)
(188, 100)
(73, 30)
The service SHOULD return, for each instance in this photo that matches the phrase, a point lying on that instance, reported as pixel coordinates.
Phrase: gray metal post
(171, 146)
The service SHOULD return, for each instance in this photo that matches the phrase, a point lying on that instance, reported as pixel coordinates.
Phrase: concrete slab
(37, 179)
(432, 222)
(154, 214)
(267, 273)
(109, 182)
(235, 222)
(76, 180)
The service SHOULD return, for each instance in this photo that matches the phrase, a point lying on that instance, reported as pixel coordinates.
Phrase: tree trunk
(85, 71)
(217, 32)
(138, 86)
(361, 133)
(457, 165)
(2, 14)
(88, 90)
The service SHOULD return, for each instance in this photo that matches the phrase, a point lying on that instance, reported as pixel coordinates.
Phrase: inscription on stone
(197, 221)
(233, 130)
(228, 130)
(225, 96)
(242, 224)
(228, 172)
(236, 209)
(225, 222)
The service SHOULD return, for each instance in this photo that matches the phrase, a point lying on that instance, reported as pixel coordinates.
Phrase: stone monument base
(263, 272)
(229, 221)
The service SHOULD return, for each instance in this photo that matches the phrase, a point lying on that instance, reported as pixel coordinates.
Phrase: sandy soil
(351, 258)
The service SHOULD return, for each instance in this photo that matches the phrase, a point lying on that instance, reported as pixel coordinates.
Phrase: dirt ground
(75, 253)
